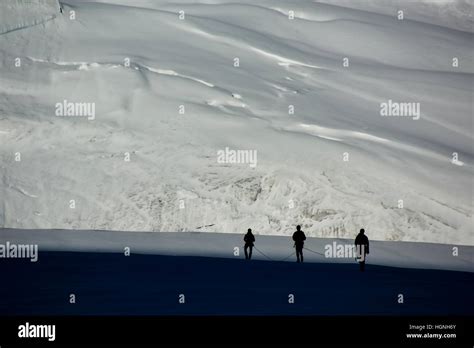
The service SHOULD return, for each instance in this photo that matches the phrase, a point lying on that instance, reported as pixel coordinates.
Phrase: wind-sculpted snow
(455, 14)
(169, 100)
(22, 14)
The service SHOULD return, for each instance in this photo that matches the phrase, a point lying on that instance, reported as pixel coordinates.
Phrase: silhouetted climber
(362, 247)
(299, 239)
(249, 239)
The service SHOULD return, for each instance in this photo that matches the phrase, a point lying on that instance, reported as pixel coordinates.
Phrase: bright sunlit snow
(169, 95)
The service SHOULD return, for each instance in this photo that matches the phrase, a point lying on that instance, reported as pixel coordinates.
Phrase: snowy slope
(454, 14)
(173, 181)
(268, 248)
(22, 14)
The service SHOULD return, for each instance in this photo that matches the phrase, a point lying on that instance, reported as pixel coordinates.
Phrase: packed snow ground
(268, 248)
(173, 181)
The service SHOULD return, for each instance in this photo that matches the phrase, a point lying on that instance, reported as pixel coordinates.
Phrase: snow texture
(173, 181)
(222, 245)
